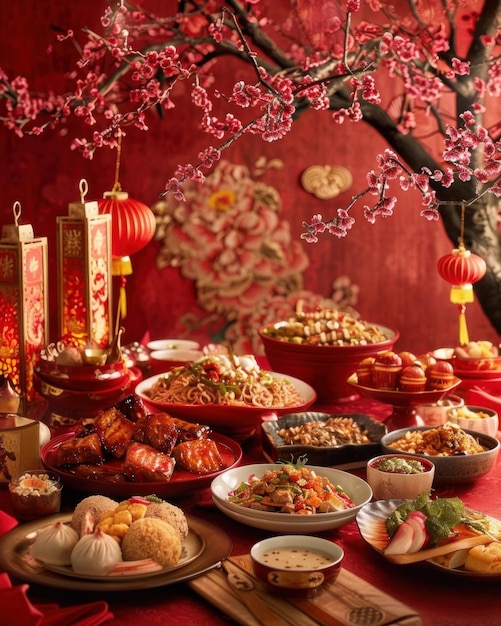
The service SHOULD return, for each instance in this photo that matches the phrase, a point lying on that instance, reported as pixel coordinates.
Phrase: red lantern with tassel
(461, 268)
(132, 227)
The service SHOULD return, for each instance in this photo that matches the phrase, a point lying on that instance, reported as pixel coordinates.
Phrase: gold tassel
(463, 328)
(122, 266)
(461, 295)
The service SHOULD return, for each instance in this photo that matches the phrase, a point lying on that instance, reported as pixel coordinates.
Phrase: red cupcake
(364, 371)
(413, 378)
(408, 358)
(440, 375)
(387, 369)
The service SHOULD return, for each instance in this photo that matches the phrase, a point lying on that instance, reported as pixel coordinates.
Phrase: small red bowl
(296, 566)
(71, 401)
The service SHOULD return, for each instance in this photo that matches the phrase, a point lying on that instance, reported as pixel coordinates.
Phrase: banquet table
(440, 598)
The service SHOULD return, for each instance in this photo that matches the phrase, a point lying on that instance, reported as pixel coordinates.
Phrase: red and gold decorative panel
(23, 310)
(84, 276)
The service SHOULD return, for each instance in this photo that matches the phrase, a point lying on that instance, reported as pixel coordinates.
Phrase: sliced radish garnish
(401, 540)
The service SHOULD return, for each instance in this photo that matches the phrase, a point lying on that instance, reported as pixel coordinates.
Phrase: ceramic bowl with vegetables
(399, 476)
(290, 498)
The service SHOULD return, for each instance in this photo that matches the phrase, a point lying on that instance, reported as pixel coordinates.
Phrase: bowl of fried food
(459, 456)
(323, 347)
(478, 418)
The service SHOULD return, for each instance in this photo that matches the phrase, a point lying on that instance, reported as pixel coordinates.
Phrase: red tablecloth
(442, 600)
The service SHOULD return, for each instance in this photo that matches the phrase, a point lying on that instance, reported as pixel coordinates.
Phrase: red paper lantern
(461, 268)
(132, 222)
(132, 227)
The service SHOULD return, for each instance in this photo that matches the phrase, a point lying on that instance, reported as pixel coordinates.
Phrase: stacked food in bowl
(323, 348)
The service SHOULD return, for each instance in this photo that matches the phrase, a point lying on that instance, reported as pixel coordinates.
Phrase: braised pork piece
(126, 443)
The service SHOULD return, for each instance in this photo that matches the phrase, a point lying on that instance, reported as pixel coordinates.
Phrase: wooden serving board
(349, 598)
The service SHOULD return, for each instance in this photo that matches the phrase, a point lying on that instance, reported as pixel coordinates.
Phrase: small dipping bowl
(436, 414)
(399, 483)
(296, 565)
(172, 344)
(165, 360)
(35, 493)
(477, 418)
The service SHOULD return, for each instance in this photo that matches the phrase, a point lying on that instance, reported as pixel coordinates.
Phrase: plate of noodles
(231, 394)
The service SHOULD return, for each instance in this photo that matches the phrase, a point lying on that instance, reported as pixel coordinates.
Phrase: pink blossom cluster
(134, 66)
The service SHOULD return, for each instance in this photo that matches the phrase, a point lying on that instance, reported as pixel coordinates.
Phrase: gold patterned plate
(203, 549)
(371, 524)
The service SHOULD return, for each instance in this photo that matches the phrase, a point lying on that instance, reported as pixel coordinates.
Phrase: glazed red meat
(189, 431)
(200, 456)
(77, 450)
(115, 431)
(157, 430)
(145, 464)
(132, 407)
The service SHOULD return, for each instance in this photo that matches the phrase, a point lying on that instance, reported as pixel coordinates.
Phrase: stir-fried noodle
(224, 380)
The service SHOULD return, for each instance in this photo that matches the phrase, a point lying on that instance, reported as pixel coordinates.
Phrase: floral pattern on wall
(229, 239)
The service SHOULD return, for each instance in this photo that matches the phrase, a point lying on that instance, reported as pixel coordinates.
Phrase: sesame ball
(152, 538)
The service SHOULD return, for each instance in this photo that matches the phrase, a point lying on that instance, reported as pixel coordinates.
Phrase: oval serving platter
(114, 485)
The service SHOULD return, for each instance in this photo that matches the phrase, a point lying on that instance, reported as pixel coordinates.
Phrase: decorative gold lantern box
(23, 303)
(84, 273)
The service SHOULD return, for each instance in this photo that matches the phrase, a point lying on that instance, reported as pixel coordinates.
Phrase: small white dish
(173, 344)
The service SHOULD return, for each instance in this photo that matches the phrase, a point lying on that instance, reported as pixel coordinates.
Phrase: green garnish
(442, 516)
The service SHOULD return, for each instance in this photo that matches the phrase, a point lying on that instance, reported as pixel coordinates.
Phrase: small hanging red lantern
(132, 227)
(461, 268)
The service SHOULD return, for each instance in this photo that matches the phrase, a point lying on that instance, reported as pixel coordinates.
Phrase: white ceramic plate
(356, 488)
(371, 524)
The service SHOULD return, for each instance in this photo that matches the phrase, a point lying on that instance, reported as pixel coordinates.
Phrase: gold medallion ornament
(326, 181)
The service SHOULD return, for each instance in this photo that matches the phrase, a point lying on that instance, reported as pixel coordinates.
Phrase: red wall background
(393, 262)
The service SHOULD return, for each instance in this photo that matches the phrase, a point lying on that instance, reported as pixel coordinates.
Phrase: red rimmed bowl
(69, 405)
(484, 367)
(296, 566)
(237, 421)
(82, 377)
(388, 476)
(325, 368)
